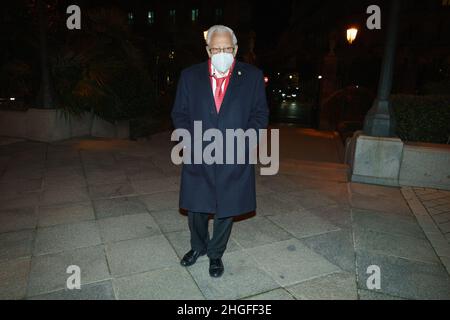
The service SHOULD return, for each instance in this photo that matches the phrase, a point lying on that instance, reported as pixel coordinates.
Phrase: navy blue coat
(222, 189)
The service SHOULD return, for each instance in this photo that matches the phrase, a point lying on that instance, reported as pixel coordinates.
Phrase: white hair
(220, 29)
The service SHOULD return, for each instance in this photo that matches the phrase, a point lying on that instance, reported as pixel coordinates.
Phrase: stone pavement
(432, 210)
(110, 207)
(437, 203)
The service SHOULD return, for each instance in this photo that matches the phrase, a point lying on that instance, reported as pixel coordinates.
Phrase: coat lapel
(205, 82)
(235, 82)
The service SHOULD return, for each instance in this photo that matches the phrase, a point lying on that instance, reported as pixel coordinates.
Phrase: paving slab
(156, 185)
(395, 245)
(307, 199)
(63, 194)
(173, 283)
(19, 201)
(257, 231)
(302, 224)
(49, 272)
(337, 247)
(19, 186)
(170, 220)
(271, 204)
(15, 245)
(107, 208)
(105, 191)
(338, 215)
(66, 237)
(140, 255)
(374, 295)
(337, 286)
(65, 214)
(161, 200)
(405, 278)
(17, 219)
(128, 227)
(277, 294)
(62, 175)
(290, 262)
(94, 291)
(387, 223)
(14, 278)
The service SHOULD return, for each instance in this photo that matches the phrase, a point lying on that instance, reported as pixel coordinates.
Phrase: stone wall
(52, 125)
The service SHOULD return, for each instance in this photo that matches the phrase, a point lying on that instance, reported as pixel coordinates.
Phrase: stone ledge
(48, 125)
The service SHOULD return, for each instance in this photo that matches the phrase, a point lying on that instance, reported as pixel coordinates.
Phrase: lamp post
(379, 120)
(45, 98)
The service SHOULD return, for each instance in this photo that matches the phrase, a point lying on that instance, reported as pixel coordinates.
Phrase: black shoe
(191, 257)
(215, 267)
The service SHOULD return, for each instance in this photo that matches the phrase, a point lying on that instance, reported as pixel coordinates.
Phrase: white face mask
(222, 61)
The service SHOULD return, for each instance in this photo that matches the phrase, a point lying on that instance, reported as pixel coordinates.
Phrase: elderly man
(223, 94)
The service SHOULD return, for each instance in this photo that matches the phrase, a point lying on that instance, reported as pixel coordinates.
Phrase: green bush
(99, 69)
(128, 94)
(422, 118)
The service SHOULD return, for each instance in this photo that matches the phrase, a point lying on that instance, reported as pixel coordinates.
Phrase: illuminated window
(218, 13)
(194, 15)
(151, 17)
(172, 15)
(130, 17)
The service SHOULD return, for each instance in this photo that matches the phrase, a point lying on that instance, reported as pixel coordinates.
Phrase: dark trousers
(200, 240)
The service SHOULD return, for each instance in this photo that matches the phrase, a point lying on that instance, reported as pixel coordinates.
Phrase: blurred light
(294, 95)
(266, 79)
(290, 76)
(319, 77)
(151, 17)
(283, 95)
(351, 34)
(12, 99)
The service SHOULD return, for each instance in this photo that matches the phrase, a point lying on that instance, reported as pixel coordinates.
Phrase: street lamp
(351, 34)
